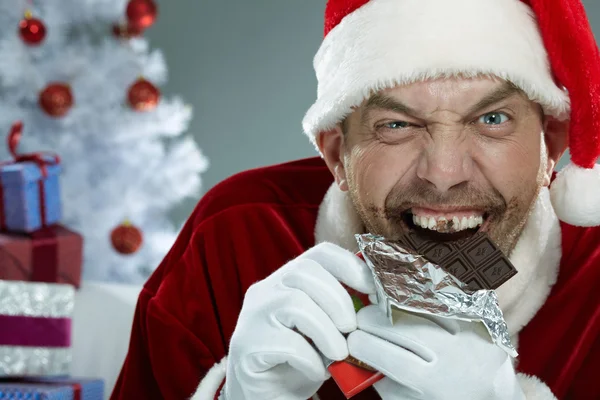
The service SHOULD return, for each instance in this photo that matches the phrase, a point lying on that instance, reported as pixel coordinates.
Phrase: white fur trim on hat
(575, 195)
(207, 390)
(393, 42)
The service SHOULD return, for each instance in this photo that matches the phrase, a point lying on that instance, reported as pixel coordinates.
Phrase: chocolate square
(458, 267)
(438, 252)
(481, 250)
(498, 272)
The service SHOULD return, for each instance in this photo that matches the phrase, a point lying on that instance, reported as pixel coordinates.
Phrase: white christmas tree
(118, 163)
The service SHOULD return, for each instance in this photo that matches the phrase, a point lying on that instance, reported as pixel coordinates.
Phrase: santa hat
(545, 47)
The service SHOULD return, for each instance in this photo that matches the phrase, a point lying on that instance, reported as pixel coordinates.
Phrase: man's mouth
(446, 224)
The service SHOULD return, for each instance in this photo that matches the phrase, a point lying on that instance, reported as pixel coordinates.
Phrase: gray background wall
(246, 68)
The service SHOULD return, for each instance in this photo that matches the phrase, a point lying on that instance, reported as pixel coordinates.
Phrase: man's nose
(445, 163)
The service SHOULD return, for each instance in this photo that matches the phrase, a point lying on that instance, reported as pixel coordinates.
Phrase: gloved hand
(433, 358)
(270, 356)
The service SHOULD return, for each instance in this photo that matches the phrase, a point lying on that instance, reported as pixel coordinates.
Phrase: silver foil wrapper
(407, 281)
(31, 299)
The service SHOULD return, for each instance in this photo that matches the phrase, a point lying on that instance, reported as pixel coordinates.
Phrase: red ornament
(32, 30)
(143, 95)
(126, 238)
(141, 14)
(125, 31)
(56, 99)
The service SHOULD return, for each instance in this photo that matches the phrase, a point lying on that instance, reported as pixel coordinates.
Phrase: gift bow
(42, 159)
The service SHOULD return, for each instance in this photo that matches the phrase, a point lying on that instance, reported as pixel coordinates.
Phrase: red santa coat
(255, 222)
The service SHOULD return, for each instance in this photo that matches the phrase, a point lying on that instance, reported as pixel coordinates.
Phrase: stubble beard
(507, 218)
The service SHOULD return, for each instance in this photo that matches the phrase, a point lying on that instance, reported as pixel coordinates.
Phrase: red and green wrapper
(352, 376)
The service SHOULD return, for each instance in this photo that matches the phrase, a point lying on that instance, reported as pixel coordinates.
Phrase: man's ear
(331, 145)
(556, 137)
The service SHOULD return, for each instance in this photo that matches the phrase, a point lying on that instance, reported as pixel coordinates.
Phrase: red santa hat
(545, 47)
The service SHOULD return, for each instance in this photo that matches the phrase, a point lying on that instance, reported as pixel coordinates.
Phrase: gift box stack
(40, 269)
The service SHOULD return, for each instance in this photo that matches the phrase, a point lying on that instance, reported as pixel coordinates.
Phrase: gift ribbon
(41, 159)
(25, 331)
(44, 258)
(76, 391)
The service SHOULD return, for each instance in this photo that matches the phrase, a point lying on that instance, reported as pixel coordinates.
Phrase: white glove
(269, 358)
(433, 358)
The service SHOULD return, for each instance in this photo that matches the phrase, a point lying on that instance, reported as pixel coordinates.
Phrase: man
(428, 112)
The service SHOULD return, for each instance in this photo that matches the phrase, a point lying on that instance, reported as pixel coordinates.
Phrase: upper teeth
(458, 223)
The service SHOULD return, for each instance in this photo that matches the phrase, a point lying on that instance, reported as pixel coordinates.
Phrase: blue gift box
(53, 389)
(23, 189)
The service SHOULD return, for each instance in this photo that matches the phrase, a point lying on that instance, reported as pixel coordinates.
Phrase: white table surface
(102, 322)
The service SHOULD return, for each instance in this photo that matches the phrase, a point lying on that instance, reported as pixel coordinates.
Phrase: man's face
(446, 157)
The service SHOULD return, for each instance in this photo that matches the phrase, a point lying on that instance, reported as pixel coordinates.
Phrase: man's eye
(398, 125)
(494, 118)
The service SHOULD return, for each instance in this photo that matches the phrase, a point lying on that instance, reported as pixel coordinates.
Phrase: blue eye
(398, 125)
(494, 118)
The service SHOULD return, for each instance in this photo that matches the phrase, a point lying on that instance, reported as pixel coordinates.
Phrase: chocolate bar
(475, 261)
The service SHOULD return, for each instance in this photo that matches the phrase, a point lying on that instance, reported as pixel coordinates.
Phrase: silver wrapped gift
(35, 328)
(407, 281)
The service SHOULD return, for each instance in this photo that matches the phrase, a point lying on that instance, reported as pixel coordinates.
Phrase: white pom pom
(575, 195)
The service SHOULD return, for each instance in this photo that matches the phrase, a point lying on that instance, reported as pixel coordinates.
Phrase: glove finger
(311, 321)
(345, 266)
(419, 335)
(373, 299)
(295, 351)
(389, 389)
(325, 291)
(395, 362)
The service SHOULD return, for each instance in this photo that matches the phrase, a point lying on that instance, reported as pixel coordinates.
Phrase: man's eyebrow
(503, 92)
(380, 101)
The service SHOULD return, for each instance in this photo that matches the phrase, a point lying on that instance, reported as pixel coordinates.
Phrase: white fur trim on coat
(536, 255)
(535, 389)
(575, 195)
(337, 221)
(386, 43)
(209, 385)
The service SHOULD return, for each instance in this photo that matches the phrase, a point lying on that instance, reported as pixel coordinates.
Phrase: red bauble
(56, 99)
(141, 14)
(125, 31)
(143, 95)
(126, 238)
(32, 30)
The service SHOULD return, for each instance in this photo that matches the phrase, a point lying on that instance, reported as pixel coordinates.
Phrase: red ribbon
(20, 330)
(2, 213)
(76, 391)
(41, 159)
(44, 259)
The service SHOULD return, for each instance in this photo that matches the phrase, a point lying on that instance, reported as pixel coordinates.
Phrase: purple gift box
(53, 389)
